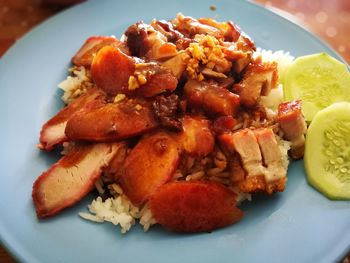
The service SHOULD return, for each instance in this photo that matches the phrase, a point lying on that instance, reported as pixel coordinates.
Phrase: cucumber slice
(327, 151)
(318, 80)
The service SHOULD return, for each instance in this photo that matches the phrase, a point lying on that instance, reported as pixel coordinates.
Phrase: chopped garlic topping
(119, 98)
(133, 83)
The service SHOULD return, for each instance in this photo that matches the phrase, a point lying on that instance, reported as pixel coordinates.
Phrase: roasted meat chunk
(213, 99)
(52, 133)
(246, 145)
(71, 178)
(197, 138)
(177, 64)
(113, 121)
(293, 125)
(258, 79)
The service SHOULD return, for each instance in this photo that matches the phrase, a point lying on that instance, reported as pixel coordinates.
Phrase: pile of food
(176, 123)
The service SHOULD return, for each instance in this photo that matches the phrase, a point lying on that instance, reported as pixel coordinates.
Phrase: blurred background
(328, 19)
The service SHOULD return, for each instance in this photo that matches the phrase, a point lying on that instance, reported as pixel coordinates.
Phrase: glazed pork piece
(117, 73)
(293, 126)
(213, 99)
(258, 80)
(171, 126)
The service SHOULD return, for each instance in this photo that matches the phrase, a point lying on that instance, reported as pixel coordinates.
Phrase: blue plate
(299, 225)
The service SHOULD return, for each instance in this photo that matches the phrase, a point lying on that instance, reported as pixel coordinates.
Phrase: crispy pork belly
(246, 144)
(293, 125)
(260, 157)
(238, 174)
(197, 138)
(272, 158)
(258, 79)
(71, 178)
(150, 164)
(189, 27)
(111, 69)
(114, 121)
(212, 98)
(52, 132)
(92, 45)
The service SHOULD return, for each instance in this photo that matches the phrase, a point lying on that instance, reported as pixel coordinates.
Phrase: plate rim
(8, 243)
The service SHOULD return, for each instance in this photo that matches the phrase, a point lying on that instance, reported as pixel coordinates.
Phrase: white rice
(273, 99)
(118, 211)
(73, 85)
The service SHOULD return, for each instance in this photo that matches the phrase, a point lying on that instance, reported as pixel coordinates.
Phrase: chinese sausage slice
(150, 164)
(194, 206)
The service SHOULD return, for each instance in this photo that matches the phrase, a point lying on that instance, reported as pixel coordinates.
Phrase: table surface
(330, 20)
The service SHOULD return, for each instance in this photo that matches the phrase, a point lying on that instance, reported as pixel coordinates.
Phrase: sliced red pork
(52, 133)
(71, 178)
(113, 121)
